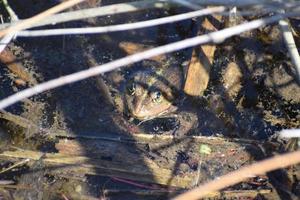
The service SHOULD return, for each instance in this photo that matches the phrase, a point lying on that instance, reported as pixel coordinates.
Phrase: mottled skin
(151, 93)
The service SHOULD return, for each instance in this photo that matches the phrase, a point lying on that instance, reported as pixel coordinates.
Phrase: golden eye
(131, 88)
(156, 97)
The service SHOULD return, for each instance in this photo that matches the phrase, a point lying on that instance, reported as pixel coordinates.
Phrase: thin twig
(141, 5)
(235, 177)
(6, 182)
(30, 21)
(11, 12)
(290, 133)
(187, 4)
(97, 12)
(216, 37)
(64, 197)
(6, 40)
(15, 165)
(269, 6)
(24, 187)
(122, 27)
(241, 2)
(290, 44)
(256, 9)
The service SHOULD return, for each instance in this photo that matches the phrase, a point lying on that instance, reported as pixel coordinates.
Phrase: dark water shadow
(265, 96)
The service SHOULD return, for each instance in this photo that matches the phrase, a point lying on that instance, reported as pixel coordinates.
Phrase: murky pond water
(265, 99)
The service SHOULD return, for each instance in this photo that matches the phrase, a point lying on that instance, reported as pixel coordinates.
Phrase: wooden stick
(201, 61)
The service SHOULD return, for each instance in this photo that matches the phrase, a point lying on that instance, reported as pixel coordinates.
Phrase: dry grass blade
(235, 177)
(15, 165)
(28, 22)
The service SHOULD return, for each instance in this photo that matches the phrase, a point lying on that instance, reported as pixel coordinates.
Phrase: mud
(254, 100)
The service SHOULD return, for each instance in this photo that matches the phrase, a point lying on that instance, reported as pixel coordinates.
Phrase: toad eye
(131, 88)
(156, 97)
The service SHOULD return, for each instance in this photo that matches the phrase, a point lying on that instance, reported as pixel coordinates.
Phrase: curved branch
(237, 176)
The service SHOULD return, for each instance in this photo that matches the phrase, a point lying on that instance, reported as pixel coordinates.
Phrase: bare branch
(141, 5)
(290, 44)
(122, 27)
(216, 37)
(10, 11)
(6, 40)
(235, 177)
(97, 12)
(239, 3)
(28, 22)
(291, 133)
(187, 4)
